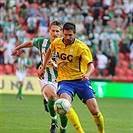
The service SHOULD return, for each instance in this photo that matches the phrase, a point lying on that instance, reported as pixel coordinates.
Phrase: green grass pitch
(28, 116)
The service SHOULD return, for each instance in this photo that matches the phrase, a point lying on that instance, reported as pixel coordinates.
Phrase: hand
(85, 77)
(26, 65)
(41, 73)
(50, 62)
(15, 52)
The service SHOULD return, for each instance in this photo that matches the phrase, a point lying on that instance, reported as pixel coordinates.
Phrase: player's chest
(67, 53)
(21, 62)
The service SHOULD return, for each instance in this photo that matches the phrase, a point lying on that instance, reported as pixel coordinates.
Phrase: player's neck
(69, 43)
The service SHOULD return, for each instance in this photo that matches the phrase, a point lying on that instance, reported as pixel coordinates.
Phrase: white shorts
(8, 59)
(20, 76)
(43, 83)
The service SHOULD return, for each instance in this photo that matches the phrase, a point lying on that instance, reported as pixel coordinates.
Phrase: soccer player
(48, 83)
(22, 64)
(75, 65)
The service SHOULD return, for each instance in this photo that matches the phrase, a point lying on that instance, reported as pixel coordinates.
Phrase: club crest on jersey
(63, 56)
(71, 50)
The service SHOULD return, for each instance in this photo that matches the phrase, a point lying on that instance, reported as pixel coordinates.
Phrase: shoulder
(81, 44)
(57, 40)
(38, 39)
(16, 60)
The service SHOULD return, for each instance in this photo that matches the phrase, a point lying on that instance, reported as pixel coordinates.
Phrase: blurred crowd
(106, 27)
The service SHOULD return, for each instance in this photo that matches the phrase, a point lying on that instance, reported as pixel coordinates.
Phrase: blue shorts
(82, 88)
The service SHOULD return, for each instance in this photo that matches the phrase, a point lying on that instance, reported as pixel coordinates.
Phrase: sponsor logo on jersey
(63, 56)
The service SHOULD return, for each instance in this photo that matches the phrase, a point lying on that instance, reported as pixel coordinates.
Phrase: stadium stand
(104, 25)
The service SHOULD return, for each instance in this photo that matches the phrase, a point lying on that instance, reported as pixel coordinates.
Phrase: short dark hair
(57, 23)
(22, 51)
(69, 26)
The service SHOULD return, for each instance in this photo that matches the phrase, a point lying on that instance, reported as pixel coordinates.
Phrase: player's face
(22, 55)
(68, 36)
(55, 32)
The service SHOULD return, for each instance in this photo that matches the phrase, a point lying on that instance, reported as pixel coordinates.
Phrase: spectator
(115, 40)
(97, 8)
(20, 33)
(80, 27)
(118, 7)
(8, 48)
(61, 5)
(32, 23)
(44, 8)
(87, 41)
(131, 50)
(98, 26)
(53, 7)
(84, 8)
(6, 28)
(69, 9)
(23, 9)
(112, 62)
(13, 39)
(89, 26)
(102, 61)
(31, 11)
(3, 13)
(43, 25)
(104, 38)
(125, 41)
(120, 21)
(106, 18)
(1, 52)
(107, 3)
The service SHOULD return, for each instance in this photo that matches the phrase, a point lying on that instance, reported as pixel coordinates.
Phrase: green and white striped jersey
(20, 64)
(43, 44)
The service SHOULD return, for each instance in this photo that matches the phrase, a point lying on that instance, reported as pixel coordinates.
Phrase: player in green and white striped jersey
(22, 65)
(48, 83)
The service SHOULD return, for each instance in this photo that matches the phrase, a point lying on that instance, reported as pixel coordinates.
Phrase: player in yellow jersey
(48, 83)
(75, 66)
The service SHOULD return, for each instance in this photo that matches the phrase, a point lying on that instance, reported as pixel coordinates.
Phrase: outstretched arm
(46, 60)
(24, 45)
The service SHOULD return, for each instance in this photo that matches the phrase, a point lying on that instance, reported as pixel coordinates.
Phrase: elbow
(92, 68)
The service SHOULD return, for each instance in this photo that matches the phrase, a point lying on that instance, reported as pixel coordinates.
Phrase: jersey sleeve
(16, 60)
(86, 55)
(52, 46)
(38, 42)
(28, 61)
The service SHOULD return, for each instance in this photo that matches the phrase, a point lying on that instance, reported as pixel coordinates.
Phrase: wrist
(43, 68)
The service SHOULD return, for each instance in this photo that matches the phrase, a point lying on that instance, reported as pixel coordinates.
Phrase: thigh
(84, 90)
(49, 89)
(66, 87)
(20, 76)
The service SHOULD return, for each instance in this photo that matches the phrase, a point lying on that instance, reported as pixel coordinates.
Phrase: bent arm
(24, 45)
(90, 70)
(46, 58)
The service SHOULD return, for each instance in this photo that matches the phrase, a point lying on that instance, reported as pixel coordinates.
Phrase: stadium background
(111, 32)
(103, 25)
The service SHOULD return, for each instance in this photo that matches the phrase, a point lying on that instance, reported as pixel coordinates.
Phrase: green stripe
(49, 74)
(48, 45)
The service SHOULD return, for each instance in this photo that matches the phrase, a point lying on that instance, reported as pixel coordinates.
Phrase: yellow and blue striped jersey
(72, 59)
